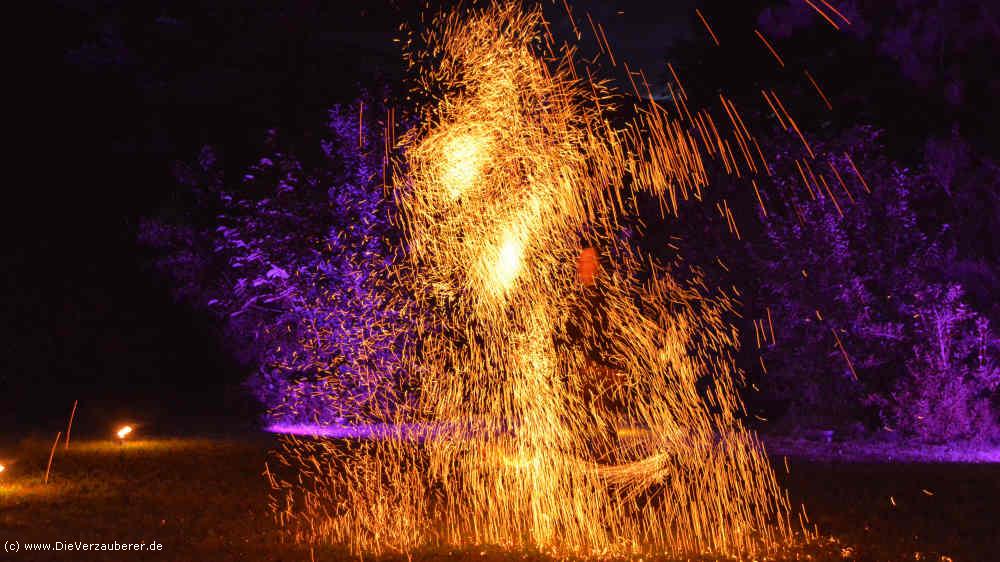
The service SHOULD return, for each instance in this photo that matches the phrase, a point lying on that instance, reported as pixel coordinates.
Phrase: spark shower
(565, 393)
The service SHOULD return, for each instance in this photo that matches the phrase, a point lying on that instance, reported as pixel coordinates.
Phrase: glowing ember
(2, 468)
(124, 431)
(551, 408)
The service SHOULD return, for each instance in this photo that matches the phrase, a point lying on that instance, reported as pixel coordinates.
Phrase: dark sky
(640, 33)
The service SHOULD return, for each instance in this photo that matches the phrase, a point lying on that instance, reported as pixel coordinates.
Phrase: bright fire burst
(124, 431)
(462, 162)
(579, 398)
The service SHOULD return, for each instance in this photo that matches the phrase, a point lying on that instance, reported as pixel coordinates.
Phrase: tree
(862, 306)
(945, 392)
(293, 257)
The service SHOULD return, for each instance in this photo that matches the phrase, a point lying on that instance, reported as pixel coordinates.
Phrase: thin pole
(70, 426)
(52, 453)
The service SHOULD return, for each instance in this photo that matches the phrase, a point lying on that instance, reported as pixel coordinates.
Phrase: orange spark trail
(676, 79)
(781, 120)
(818, 90)
(857, 173)
(769, 47)
(822, 13)
(836, 11)
(843, 352)
(795, 125)
(759, 200)
(707, 27)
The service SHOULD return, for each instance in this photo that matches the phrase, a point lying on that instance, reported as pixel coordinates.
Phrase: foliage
(293, 259)
(944, 393)
(869, 328)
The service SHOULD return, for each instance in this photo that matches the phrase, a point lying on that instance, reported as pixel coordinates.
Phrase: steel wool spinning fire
(568, 394)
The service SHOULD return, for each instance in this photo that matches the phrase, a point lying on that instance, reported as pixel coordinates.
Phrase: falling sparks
(857, 173)
(770, 325)
(836, 11)
(843, 352)
(124, 432)
(707, 27)
(677, 79)
(819, 11)
(774, 110)
(563, 391)
(822, 13)
(815, 85)
(795, 126)
(770, 48)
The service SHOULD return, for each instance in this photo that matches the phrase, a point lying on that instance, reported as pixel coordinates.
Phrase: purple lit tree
(293, 259)
(869, 328)
(944, 392)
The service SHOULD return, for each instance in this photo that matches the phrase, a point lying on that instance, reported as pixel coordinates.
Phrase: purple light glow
(885, 451)
(378, 431)
(369, 431)
(843, 452)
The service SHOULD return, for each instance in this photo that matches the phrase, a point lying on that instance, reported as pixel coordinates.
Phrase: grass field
(200, 499)
(205, 500)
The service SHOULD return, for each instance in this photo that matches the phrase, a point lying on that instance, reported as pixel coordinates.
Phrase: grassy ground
(912, 511)
(206, 500)
(200, 499)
